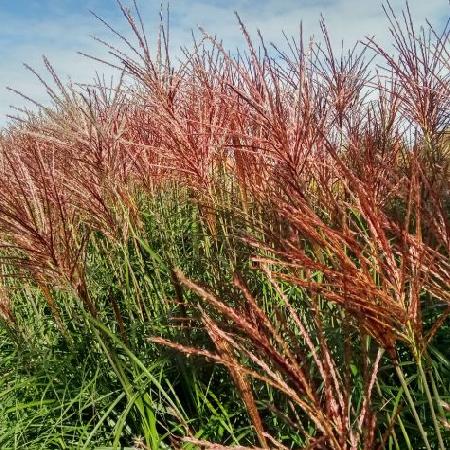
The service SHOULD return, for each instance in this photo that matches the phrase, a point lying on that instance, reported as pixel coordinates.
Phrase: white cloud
(26, 41)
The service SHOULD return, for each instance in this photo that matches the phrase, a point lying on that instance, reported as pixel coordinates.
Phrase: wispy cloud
(60, 28)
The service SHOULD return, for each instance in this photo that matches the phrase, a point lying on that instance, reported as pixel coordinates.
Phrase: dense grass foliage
(246, 251)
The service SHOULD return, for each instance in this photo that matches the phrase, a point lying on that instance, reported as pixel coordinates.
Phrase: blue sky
(60, 28)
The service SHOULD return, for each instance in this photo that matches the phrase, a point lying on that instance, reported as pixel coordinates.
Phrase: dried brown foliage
(341, 176)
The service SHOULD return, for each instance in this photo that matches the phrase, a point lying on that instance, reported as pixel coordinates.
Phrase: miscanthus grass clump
(234, 251)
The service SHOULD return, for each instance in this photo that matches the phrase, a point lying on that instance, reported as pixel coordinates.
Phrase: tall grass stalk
(246, 250)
